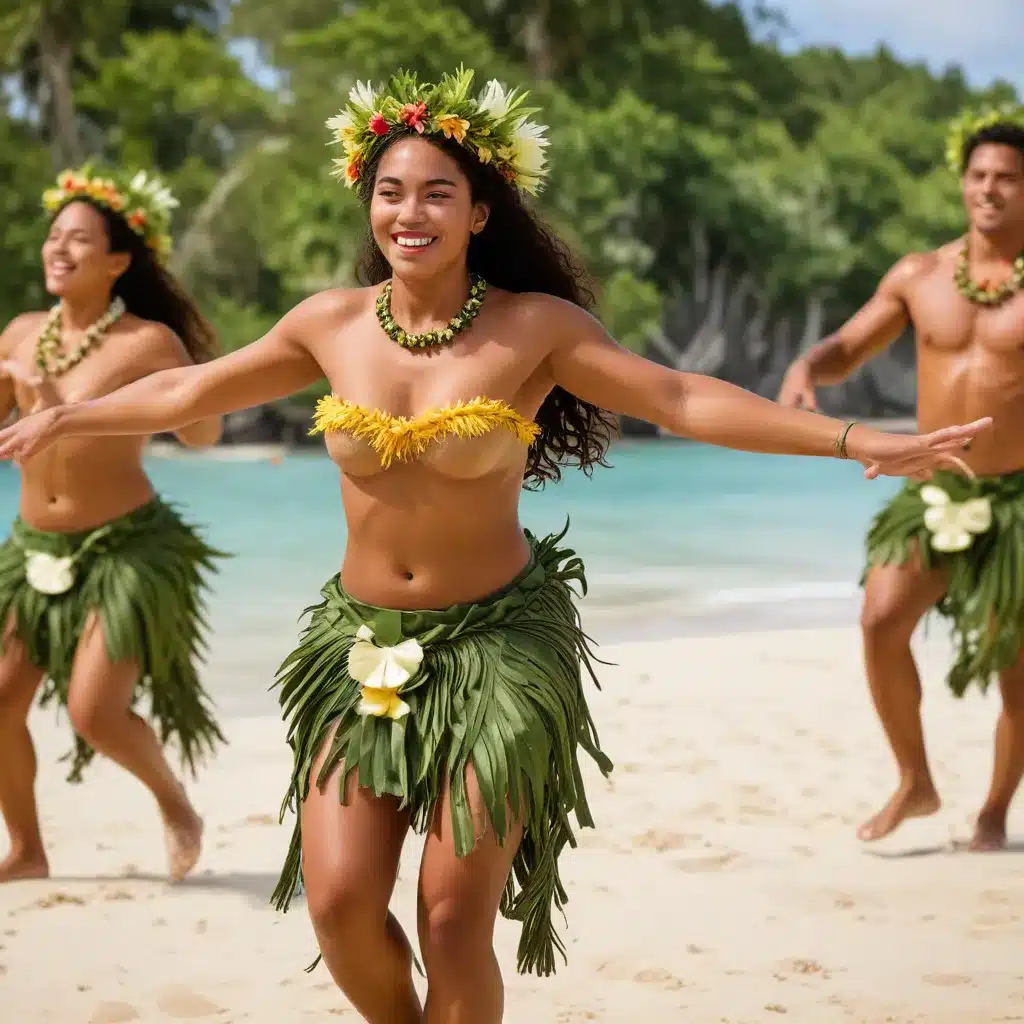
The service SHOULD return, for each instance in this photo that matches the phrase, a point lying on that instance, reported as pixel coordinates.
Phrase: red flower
(137, 219)
(508, 173)
(414, 115)
(378, 125)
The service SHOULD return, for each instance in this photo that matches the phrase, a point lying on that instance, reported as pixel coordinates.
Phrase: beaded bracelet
(840, 445)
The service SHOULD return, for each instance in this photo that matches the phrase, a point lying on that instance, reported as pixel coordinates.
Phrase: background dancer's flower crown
(144, 202)
(970, 122)
(493, 126)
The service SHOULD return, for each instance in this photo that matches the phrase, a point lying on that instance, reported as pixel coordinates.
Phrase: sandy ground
(724, 883)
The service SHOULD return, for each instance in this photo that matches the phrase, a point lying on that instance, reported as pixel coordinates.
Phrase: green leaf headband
(970, 122)
(145, 203)
(493, 126)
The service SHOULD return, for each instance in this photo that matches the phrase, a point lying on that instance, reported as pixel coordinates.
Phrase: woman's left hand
(912, 455)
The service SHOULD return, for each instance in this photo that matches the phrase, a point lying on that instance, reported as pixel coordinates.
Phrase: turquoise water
(678, 538)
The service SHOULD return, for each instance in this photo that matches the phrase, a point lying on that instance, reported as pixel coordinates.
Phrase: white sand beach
(724, 883)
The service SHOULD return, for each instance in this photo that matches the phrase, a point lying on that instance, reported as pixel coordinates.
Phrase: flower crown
(970, 122)
(145, 203)
(494, 126)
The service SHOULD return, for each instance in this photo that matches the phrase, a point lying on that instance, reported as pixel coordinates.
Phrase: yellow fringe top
(399, 437)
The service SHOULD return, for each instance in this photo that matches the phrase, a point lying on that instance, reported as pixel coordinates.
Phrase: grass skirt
(499, 687)
(143, 574)
(984, 598)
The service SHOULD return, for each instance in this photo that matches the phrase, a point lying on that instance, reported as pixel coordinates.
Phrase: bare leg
(99, 704)
(990, 831)
(19, 681)
(350, 860)
(895, 599)
(458, 905)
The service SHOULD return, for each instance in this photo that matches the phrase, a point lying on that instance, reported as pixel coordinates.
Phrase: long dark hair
(516, 252)
(152, 293)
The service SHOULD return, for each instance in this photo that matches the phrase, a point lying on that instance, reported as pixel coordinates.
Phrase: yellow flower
(453, 127)
(484, 154)
(381, 704)
(382, 671)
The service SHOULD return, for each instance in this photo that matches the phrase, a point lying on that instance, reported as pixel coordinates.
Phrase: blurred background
(737, 176)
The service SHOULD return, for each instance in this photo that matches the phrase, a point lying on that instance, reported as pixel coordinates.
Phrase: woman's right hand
(30, 435)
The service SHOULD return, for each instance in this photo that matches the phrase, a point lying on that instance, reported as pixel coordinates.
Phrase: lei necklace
(987, 296)
(442, 336)
(50, 357)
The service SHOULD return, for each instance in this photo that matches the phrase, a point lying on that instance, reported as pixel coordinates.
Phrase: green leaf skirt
(144, 574)
(499, 687)
(984, 598)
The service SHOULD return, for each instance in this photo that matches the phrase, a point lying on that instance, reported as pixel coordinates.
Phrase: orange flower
(136, 220)
(414, 115)
(453, 127)
(354, 168)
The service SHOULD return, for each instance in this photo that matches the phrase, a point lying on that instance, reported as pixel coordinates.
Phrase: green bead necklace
(442, 336)
(987, 296)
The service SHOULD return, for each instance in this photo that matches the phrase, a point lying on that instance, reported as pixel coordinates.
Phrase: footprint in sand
(713, 862)
(260, 819)
(655, 839)
(184, 1004)
(114, 1013)
(619, 971)
(947, 980)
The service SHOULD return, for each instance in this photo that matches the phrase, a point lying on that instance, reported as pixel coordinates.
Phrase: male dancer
(955, 543)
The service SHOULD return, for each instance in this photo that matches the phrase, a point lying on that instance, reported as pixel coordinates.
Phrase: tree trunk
(56, 54)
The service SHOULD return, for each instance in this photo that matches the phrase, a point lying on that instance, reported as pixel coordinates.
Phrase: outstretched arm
(588, 363)
(874, 327)
(277, 365)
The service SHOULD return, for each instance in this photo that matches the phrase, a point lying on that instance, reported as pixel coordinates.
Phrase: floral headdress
(493, 126)
(970, 122)
(144, 202)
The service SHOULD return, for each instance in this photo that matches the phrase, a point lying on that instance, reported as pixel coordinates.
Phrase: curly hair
(152, 293)
(1002, 133)
(516, 252)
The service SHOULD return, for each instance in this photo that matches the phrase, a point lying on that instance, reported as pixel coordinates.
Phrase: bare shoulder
(19, 330)
(324, 313)
(912, 269)
(556, 320)
(154, 342)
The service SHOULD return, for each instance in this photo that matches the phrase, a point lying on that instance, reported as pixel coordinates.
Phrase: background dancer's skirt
(143, 574)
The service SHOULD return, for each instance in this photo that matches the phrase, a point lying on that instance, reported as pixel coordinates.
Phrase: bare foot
(184, 844)
(907, 802)
(989, 833)
(16, 867)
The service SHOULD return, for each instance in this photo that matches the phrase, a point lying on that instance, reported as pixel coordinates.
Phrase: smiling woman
(100, 581)
(439, 683)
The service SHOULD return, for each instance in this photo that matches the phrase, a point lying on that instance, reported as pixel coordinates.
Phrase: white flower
(340, 124)
(382, 671)
(494, 100)
(49, 574)
(362, 95)
(528, 145)
(155, 191)
(953, 524)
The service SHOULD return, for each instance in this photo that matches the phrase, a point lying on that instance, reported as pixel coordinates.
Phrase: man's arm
(874, 327)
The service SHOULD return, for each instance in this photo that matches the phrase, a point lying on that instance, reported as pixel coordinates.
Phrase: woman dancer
(100, 580)
(467, 363)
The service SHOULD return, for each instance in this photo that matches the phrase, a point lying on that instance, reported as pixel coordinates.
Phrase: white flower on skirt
(954, 524)
(382, 671)
(49, 574)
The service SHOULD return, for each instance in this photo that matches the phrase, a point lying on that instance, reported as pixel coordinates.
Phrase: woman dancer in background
(100, 580)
